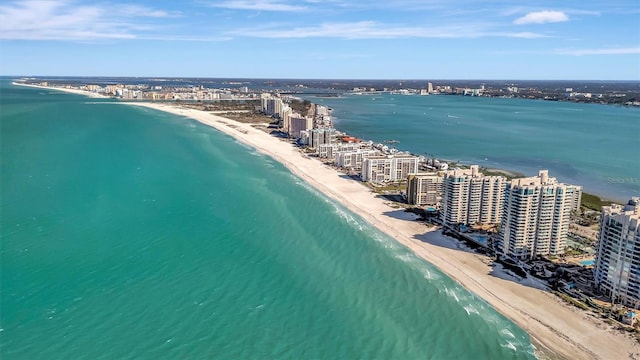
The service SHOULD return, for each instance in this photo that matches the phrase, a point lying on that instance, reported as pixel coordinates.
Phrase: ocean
(596, 146)
(127, 233)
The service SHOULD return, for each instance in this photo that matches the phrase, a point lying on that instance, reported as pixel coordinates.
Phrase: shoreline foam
(556, 327)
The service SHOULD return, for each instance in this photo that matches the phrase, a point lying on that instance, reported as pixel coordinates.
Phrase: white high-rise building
(278, 106)
(318, 137)
(617, 267)
(287, 113)
(425, 189)
(327, 151)
(305, 137)
(402, 166)
(349, 156)
(269, 105)
(274, 106)
(322, 110)
(377, 169)
(536, 216)
(469, 197)
(381, 169)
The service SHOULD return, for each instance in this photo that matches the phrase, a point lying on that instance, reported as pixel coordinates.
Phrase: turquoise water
(587, 262)
(127, 233)
(596, 146)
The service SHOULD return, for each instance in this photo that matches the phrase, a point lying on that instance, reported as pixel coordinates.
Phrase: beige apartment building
(536, 216)
(469, 197)
(425, 189)
(617, 266)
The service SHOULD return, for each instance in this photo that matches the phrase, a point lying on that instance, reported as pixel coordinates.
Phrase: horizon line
(312, 79)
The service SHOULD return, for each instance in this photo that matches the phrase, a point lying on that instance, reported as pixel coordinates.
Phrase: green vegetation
(572, 301)
(251, 118)
(570, 251)
(593, 202)
(390, 187)
(222, 105)
(301, 107)
(489, 172)
(507, 174)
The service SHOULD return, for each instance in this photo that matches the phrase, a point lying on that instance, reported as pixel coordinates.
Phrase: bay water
(593, 145)
(127, 233)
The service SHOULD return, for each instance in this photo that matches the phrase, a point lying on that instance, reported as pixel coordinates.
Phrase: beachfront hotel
(469, 197)
(388, 168)
(617, 266)
(351, 156)
(330, 151)
(536, 216)
(425, 189)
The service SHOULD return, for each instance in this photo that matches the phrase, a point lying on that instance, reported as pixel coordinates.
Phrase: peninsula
(557, 330)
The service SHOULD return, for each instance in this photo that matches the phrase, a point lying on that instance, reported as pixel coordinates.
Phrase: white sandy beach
(72, 91)
(562, 330)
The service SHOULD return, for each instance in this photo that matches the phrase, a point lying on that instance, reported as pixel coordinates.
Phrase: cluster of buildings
(430, 89)
(292, 123)
(376, 163)
(532, 217)
(532, 214)
(163, 93)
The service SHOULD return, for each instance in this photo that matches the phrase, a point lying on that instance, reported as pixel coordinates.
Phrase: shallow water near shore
(130, 233)
(592, 145)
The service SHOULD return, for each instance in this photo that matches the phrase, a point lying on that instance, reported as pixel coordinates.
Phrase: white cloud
(375, 30)
(541, 17)
(611, 51)
(525, 35)
(141, 11)
(65, 20)
(258, 5)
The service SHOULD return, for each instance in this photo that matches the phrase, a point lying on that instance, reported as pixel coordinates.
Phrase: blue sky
(404, 39)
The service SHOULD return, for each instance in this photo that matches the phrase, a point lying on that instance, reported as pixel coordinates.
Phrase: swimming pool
(590, 262)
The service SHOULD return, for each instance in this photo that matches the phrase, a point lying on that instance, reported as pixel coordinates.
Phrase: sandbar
(68, 90)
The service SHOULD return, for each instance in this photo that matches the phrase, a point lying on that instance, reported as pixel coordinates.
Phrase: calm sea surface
(127, 233)
(597, 146)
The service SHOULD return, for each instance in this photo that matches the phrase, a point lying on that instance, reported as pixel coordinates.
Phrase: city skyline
(323, 40)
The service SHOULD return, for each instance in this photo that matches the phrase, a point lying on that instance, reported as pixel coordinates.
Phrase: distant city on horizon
(616, 92)
(243, 78)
